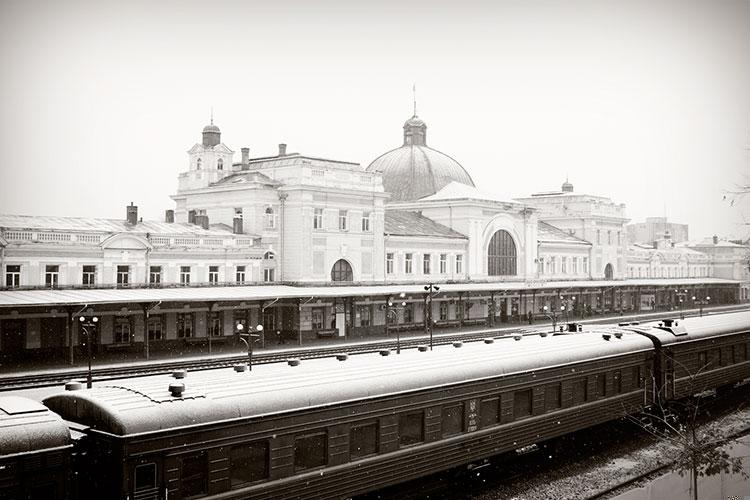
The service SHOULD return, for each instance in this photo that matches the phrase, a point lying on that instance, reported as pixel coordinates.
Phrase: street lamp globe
(259, 328)
(240, 327)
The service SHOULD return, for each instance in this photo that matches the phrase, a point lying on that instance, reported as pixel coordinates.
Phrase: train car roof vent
(342, 356)
(618, 335)
(179, 373)
(517, 337)
(385, 352)
(489, 341)
(240, 367)
(422, 348)
(606, 336)
(176, 389)
(293, 361)
(73, 385)
(458, 344)
(672, 326)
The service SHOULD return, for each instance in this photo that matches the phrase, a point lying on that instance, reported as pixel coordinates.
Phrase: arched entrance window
(501, 255)
(342, 271)
(608, 272)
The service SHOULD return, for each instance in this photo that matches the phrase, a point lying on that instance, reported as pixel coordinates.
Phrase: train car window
(617, 381)
(636, 377)
(716, 361)
(522, 403)
(489, 412)
(580, 391)
(552, 397)
(310, 451)
(411, 428)
(145, 477)
(363, 440)
(194, 475)
(739, 353)
(702, 361)
(453, 420)
(248, 463)
(601, 385)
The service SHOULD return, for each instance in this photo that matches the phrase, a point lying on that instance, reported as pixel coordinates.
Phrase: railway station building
(313, 249)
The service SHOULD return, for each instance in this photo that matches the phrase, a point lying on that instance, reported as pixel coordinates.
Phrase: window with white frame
(459, 264)
(184, 275)
(213, 274)
(184, 325)
(443, 311)
(318, 218)
(618, 237)
(51, 275)
(155, 328)
(408, 263)
(123, 275)
(426, 261)
(553, 264)
(443, 263)
(154, 275)
(13, 276)
(343, 220)
(365, 315)
(199, 164)
(269, 255)
(240, 274)
(540, 265)
(88, 276)
(585, 265)
(269, 275)
(609, 237)
(575, 265)
(366, 222)
(564, 265)
(220, 164)
(389, 263)
(121, 331)
(270, 217)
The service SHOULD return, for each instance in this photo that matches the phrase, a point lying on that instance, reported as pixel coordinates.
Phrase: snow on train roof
(144, 404)
(27, 426)
(685, 330)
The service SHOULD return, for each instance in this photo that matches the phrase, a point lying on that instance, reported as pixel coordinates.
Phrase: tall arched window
(198, 164)
(220, 164)
(608, 272)
(501, 255)
(342, 271)
(270, 218)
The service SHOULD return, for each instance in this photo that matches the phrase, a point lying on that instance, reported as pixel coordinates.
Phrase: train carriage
(328, 428)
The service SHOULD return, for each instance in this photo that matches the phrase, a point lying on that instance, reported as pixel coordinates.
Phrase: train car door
(147, 480)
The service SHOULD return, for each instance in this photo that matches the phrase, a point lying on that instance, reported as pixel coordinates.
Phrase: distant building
(655, 229)
(728, 260)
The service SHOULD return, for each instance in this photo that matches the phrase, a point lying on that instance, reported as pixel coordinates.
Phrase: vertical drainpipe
(144, 306)
(148, 268)
(282, 199)
(69, 334)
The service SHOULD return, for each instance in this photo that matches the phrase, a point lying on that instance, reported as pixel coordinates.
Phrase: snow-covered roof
(458, 191)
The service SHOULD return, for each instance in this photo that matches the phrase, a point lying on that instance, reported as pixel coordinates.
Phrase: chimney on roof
(716, 240)
(131, 214)
(169, 216)
(191, 217)
(282, 149)
(237, 225)
(245, 156)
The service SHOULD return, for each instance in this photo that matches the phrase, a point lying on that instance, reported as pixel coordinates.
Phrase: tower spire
(414, 95)
(212, 115)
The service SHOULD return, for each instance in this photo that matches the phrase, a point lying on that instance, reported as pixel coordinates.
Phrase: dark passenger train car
(331, 429)
(35, 451)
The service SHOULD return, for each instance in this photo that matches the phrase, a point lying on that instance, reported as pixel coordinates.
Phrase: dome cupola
(211, 135)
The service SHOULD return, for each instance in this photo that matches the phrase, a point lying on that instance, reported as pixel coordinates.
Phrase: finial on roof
(212, 115)
(414, 94)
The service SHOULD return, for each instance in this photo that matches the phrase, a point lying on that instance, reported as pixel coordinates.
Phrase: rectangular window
(154, 275)
(459, 264)
(636, 377)
(121, 332)
(443, 263)
(363, 440)
(489, 412)
(194, 475)
(411, 428)
(155, 328)
(123, 275)
(409, 313)
(609, 237)
(574, 270)
(564, 265)
(145, 477)
(248, 463)
(88, 277)
(553, 397)
(601, 385)
(618, 237)
(426, 261)
(617, 382)
(318, 218)
(270, 216)
(51, 276)
(443, 308)
(553, 264)
(342, 220)
(522, 403)
(408, 263)
(318, 314)
(453, 420)
(240, 274)
(13, 276)
(268, 275)
(739, 353)
(585, 265)
(365, 315)
(366, 222)
(213, 274)
(185, 275)
(310, 451)
(214, 324)
(580, 391)
(184, 325)
(389, 263)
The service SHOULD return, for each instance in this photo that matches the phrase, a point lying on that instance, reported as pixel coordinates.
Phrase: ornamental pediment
(126, 241)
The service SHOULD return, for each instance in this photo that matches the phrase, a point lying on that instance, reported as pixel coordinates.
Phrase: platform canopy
(89, 296)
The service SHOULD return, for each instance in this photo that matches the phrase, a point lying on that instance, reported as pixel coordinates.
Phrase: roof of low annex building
(455, 190)
(549, 233)
(406, 223)
(96, 225)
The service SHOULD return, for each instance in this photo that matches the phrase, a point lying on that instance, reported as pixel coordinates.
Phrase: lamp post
(248, 339)
(553, 315)
(681, 296)
(86, 323)
(391, 309)
(701, 303)
(430, 289)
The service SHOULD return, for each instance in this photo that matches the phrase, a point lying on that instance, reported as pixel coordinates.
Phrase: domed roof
(211, 128)
(415, 170)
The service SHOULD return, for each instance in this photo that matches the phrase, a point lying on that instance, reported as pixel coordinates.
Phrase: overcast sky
(646, 102)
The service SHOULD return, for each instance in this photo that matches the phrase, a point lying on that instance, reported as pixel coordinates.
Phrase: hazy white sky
(647, 102)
